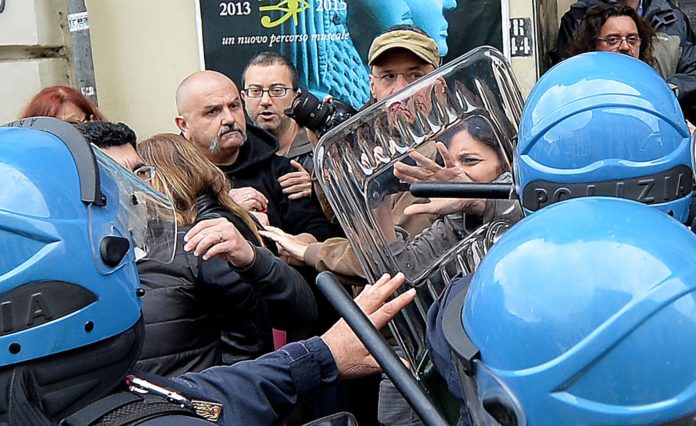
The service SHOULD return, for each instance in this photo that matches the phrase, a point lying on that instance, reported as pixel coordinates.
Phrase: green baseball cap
(419, 44)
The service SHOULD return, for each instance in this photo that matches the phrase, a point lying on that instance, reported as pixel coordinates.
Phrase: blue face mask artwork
(430, 16)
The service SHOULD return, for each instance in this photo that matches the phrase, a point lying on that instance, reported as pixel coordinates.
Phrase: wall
(33, 52)
(563, 7)
(142, 50)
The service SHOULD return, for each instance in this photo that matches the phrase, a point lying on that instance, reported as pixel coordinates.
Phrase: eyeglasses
(389, 78)
(274, 92)
(615, 41)
(145, 173)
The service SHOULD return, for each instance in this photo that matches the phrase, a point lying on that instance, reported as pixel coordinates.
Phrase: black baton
(491, 191)
(378, 347)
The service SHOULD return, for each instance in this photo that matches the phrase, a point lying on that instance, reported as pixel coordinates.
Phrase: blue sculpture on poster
(338, 35)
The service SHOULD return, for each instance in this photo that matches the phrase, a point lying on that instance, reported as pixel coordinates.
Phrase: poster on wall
(328, 40)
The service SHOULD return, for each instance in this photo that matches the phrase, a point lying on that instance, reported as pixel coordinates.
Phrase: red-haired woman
(62, 102)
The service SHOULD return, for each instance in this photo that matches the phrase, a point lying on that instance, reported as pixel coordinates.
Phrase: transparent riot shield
(458, 123)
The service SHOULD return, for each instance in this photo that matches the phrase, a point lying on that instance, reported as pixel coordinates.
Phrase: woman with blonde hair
(196, 186)
(218, 300)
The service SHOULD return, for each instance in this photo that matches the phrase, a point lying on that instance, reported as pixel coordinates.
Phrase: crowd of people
(225, 331)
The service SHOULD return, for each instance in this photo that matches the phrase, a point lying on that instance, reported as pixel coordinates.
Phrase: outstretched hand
(351, 357)
(296, 184)
(443, 206)
(249, 199)
(427, 170)
(219, 237)
(288, 245)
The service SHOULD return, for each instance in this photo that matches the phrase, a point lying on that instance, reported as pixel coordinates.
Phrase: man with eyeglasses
(117, 140)
(614, 28)
(397, 57)
(211, 116)
(674, 45)
(400, 56)
(270, 84)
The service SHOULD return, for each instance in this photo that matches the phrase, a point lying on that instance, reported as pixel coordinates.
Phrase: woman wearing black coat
(218, 301)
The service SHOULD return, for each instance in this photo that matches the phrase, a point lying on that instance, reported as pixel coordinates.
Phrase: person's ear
(440, 85)
(372, 87)
(181, 123)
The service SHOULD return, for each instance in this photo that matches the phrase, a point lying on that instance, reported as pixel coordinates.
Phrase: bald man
(211, 116)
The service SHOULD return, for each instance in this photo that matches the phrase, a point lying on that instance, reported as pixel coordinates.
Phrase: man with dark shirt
(270, 85)
(211, 116)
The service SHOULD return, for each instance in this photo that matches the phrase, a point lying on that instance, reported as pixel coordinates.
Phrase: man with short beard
(398, 57)
(211, 116)
(270, 85)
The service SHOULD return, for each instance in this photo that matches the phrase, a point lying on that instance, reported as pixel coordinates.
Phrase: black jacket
(675, 47)
(259, 166)
(202, 313)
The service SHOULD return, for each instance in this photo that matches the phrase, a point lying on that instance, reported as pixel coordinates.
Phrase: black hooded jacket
(259, 166)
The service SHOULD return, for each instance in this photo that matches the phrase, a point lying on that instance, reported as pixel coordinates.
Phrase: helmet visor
(495, 403)
(488, 400)
(145, 216)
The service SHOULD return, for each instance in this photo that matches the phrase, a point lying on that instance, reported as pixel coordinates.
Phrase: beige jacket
(337, 255)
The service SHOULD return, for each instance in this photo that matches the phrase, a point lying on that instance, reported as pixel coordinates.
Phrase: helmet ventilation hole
(89, 326)
(15, 348)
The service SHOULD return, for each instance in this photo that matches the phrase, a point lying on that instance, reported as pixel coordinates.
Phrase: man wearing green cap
(396, 58)
(399, 57)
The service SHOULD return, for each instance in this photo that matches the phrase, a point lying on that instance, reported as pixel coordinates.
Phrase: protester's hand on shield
(296, 184)
(351, 357)
(427, 170)
(289, 246)
(219, 237)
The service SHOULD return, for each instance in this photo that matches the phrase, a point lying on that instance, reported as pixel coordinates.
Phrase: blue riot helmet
(71, 222)
(607, 125)
(578, 315)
